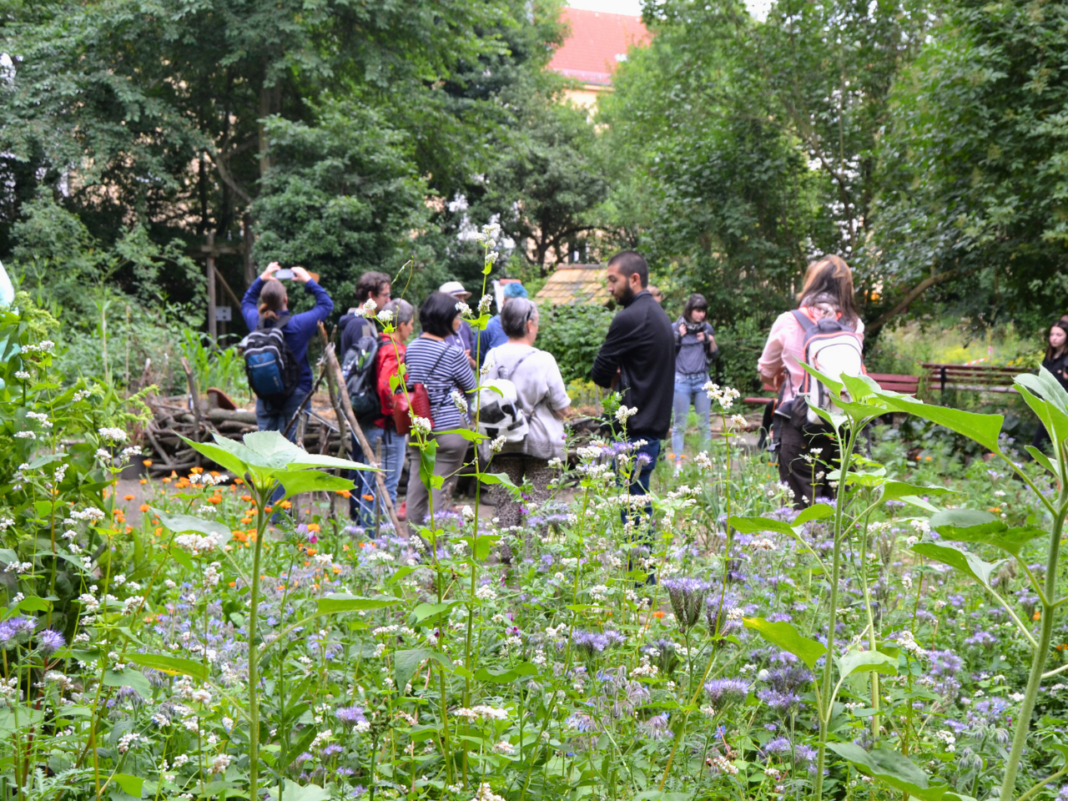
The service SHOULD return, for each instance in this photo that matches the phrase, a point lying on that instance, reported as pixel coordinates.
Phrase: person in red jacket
(391, 350)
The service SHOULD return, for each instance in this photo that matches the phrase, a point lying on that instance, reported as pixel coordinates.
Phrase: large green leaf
(406, 663)
(297, 481)
(982, 428)
(335, 603)
(899, 490)
(788, 638)
(468, 434)
(226, 453)
(185, 524)
(818, 511)
(129, 678)
(968, 525)
(131, 785)
(866, 662)
(506, 676)
(170, 664)
(967, 563)
(430, 611)
(892, 768)
(756, 525)
(497, 478)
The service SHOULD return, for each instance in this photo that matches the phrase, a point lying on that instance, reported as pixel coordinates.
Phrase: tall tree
(163, 111)
(974, 206)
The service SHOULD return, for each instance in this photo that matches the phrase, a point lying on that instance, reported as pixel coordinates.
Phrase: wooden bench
(905, 384)
(970, 377)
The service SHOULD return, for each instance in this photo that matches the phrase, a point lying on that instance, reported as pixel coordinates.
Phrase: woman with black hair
(695, 350)
(1056, 361)
(445, 372)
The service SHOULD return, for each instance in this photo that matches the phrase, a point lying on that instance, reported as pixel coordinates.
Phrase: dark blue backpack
(271, 367)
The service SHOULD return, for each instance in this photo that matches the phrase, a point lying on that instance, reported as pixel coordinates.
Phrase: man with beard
(638, 360)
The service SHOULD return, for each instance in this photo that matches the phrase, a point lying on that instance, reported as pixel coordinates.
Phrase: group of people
(643, 353)
(446, 360)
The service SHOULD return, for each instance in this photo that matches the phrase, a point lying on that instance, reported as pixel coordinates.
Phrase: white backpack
(835, 350)
(500, 412)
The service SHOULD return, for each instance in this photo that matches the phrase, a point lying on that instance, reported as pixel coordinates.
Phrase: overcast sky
(757, 7)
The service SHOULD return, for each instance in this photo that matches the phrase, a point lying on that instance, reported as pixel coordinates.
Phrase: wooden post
(213, 325)
(335, 377)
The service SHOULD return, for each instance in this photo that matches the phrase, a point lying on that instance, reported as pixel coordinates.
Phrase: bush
(573, 334)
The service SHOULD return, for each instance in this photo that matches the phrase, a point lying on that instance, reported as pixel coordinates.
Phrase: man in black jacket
(638, 359)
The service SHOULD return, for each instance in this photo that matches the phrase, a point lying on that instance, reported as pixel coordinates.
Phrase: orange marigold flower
(246, 498)
(233, 583)
(314, 527)
(127, 497)
(196, 471)
(368, 497)
(658, 614)
(343, 493)
(143, 507)
(147, 462)
(286, 505)
(215, 499)
(144, 480)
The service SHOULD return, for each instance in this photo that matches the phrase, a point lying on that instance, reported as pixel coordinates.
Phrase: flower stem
(1038, 661)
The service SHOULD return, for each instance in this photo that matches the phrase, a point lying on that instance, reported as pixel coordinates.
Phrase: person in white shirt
(542, 397)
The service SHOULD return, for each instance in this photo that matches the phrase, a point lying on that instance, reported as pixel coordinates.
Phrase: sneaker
(402, 511)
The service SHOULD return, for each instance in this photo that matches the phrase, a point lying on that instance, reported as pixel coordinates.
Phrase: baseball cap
(515, 290)
(454, 288)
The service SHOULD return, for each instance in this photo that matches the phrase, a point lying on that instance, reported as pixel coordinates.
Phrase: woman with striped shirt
(445, 372)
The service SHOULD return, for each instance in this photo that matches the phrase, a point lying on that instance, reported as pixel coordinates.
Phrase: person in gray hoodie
(696, 350)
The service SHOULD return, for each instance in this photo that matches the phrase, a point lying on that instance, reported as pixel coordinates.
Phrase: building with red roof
(596, 42)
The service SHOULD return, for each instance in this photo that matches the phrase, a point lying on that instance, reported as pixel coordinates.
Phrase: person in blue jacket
(267, 301)
(493, 334)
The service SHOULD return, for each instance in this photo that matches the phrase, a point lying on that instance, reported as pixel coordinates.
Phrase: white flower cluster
(724, 765)
(725, 396)
(459, 401)
(949, 738)
(484, 304)
(763, 544)
(90, 513)
(463, 308)
(82, 394)
(6, 523)
(41, 418)
(623, 414)
(497, 445)
(385, 317)
(368, 309)
(25, 435)
(482, 712)
(19, 567)
(421, 425)
(221, 763)
(196, 544)
(127, 741)
(485, 793)
(45, 347)
(207, 479)
(908, 642)
(22, 375)
(112, 434)
(486, 594)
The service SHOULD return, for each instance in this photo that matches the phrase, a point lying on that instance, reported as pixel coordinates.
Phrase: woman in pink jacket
(806, 456)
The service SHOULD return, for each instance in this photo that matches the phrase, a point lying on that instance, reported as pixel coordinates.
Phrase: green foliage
(973, 186)
(342, 198)
(573, 334)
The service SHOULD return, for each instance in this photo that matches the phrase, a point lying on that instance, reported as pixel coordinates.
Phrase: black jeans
(807, 479)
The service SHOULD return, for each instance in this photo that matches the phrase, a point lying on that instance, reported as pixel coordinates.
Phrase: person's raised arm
(250, 304)
(619, 341)
(323, 304)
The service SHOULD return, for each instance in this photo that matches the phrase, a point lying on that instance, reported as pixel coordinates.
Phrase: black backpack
(271, 367)
(360, 368)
